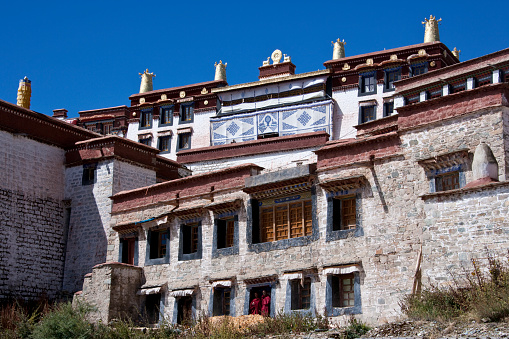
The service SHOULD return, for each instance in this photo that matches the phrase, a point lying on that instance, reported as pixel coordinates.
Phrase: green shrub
(355, 328)
(66, 321)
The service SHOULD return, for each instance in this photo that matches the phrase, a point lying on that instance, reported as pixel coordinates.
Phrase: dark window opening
(128, 248)
(166, 116)
(258, 292)
(152, 306)
(418, 69)
(367, 83)
(412, 99)
(268, 135)
(344, 213)
(225, 232)
(367, 113)
(145, 141)
(184, 141)
(158, 244)
(343, 294)
(185, 310)
(164, 143)
(222, 299)
(186, 113)
(388, 108)
(301, 294)
(391, 76)
(448, 181)
(146, 119)
(190, 238)
(435, 93)
(484, 80)
(88, 177)
(458, 87)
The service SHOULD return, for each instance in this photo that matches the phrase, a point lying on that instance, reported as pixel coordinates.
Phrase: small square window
(190, 238)
(145, 141)
(367, 113)
(164, 143)
(367, 83)
(301, 294)
(158, 244)
(186, 113)
(225, 232)
(88, 177)
(343, 292)
(391, 76)
(166, 115)
(388, 108)
(146, 118)
(184, 141)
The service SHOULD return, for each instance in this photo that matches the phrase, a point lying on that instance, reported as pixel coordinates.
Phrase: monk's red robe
(254, 306)
(265, 305)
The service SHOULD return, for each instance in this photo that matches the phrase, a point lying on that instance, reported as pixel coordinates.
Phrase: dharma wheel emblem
(276, 56)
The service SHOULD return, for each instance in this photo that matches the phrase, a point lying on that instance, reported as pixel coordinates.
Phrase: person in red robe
(265, 304)
(254, 305)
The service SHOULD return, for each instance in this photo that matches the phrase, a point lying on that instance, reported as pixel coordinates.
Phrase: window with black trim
(128, 249)
(184, 141)
(391, 75)
(367, 83)
(158, 243)
(344, 214)
(146, 141)
(146, 118)
(367, 113)
(388, 108)
(222, 301)
(164, 143)
(225, 232)
(447, 181)
(166, 115)
(342, 290)
(89, 174)
(300, 294)
(418, 69)
(186, 113)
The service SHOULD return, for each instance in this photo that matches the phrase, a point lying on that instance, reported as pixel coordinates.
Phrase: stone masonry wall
(31, 218)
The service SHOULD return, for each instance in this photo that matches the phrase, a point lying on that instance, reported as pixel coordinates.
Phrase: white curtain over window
(342, 270)
(222, 283)
(182, 293)
(147, 291)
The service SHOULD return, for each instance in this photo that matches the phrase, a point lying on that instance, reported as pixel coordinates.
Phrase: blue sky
(87, 55)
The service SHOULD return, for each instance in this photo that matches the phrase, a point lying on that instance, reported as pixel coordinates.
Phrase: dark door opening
(152, 306)
(262, 309)
(185, 310)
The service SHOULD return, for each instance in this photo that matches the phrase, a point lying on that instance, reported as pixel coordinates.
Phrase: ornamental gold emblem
(182, 94)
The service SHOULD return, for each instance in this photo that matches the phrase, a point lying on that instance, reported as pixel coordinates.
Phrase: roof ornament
(339, 49)
(220, 70)
(276, 57)
(456, 53)
(484, 164)
(24, 93)
(431, 29)
(146, 81)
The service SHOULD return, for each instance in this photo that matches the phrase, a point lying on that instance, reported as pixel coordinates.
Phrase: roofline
(136, 95)
(104, 109)
(385, 51)
(273, 80)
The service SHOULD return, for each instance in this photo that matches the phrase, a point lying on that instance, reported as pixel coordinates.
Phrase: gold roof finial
(339, 49)
(456, 53)
(24, 93)
(220, 70)
(146, 81)
(431, 29)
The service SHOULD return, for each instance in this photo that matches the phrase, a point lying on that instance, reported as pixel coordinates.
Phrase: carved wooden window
(190, 238)
(286, 221)
(225, 232)
(448, 181)
(344, 213)
(343, 294)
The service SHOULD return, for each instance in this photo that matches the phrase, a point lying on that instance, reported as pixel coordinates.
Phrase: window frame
(386, 108)
(225, 251)
(124, 243)
(416, 66)
(287, 209)
(149, 259)
(159, 144)
(167, 112)
(333, 233)
(362, 110)
(362, 83)
(387, 81)
(179, 138)
(334, 311)
(218, 294)
(436, 176)
(89, 174)
(146, 115)
(183, 108)
(295, 297)
(146, 141)
(184, 255)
